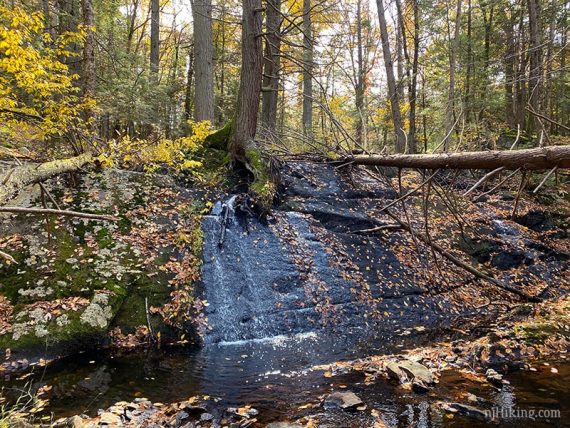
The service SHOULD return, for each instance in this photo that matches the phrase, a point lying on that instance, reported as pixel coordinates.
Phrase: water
(274, 375)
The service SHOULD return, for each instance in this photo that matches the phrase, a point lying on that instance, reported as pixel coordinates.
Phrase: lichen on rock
(99, 313)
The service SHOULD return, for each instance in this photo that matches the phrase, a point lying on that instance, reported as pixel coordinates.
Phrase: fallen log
(529, 159)
(21, 176)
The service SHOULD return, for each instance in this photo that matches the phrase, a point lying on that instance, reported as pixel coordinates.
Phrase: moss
(263, 187)
(219, 139)
(537, 333)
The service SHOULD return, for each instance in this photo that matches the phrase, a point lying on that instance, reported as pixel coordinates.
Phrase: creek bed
(275, 377)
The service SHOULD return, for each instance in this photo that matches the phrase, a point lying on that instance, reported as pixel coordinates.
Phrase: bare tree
(203, 60)
(535, 58)
(88, 69)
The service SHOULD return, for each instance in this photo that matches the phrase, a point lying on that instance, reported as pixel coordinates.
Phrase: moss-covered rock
(77, 280)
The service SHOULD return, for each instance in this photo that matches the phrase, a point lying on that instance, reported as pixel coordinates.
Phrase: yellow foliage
(37, 94)
(175, 154)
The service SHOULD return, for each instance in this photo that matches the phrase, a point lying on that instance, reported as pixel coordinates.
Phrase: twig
(378, 228)
(486, 177)
(521, 187)
(544, 179)
(8, 257)
(58, 212)
(49, 195)
(148, 320)
(518, 136)
(410, 193)
(531, 111)
(498, 185)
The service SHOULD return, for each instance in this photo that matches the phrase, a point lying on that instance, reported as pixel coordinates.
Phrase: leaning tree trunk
(204, 61)
(531, 159)
(21, 176)
(245, 122)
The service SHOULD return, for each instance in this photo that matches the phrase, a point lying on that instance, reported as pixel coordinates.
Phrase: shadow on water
(274, 376)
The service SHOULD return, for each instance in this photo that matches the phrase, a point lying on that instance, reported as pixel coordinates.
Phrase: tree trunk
(272, 65)
(400, 143)
(88, 84)
(488, 25)
(535, 60)
(21, 176)
(308, 53)
(154, 36)
(189, 78)
(360, 76)
(245, 122)
(453, 48)
(204, 60)
(531, 159)
(509, 62)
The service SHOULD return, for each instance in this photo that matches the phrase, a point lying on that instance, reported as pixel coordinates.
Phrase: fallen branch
(497, 185)
(547, 119)
(64, 213)
(544, 179)
(458, 262)
(530, 159)
(24, 175)
(410, 193)
(485, 178)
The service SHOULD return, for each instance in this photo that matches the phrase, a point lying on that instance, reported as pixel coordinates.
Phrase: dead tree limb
(530, 159)
(24, 175)
(534, 113)
(544, 179)
(460, 263)
(483, 179)
(64, 213)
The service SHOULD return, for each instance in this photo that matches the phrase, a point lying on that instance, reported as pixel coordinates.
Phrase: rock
(109, 418)
(395, 373)
(17, 423)
(283, 425)
(75, 422)
(494, 378)
(344, 400)
(206, 417)
(419, 387)
(465, 409)
(405, 371)
(418, 372)
(510, 259)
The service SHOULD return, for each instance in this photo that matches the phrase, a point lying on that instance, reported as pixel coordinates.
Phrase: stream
(275, 377)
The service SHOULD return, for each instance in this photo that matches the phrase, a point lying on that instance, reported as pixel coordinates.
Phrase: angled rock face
(313, 266)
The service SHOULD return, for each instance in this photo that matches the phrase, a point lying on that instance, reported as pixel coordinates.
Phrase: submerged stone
(344, 400)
